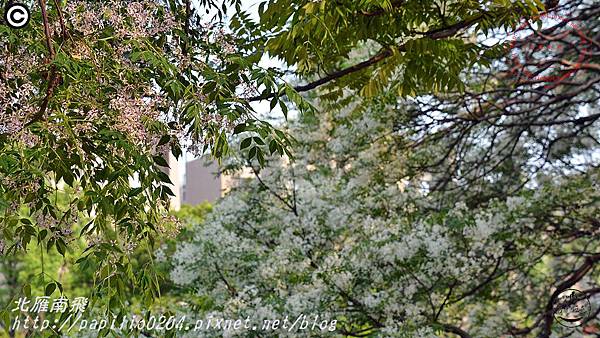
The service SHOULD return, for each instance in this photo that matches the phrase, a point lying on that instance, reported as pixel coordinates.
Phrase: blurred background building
(203, 181)
(199, 180)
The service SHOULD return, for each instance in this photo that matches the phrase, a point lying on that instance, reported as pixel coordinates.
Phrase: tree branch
(53, 77)
(287, 204)
(230, 287)
(548, 318)
(384, 53)
(47, 32)
(63, 27)
(456, 330)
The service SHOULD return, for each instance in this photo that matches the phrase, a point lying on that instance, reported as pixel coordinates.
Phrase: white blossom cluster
(360, 240)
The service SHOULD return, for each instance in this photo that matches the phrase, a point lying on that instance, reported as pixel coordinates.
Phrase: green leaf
(135, 191)
(50, 289)
(27, 290)
(246, 143)
(272, 146)
(284, 109)
(164, 177)
(260, 157)
(259, 141)
(239, 128)
(42, 235)
(61, 247)
(209, 87)
(252, 152)
(273, 103)
(164, 140)
(160, 161)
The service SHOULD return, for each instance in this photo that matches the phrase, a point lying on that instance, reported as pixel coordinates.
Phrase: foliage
(92, 94)
(412, 46)
(33, 272)
(462, 213)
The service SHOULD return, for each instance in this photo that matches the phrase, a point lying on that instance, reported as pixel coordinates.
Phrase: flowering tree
(349, 233)
(419, 218)
(92, 94)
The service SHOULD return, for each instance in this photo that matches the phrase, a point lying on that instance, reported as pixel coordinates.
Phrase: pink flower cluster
(137, 19)
(133, 113)
(17, 94)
